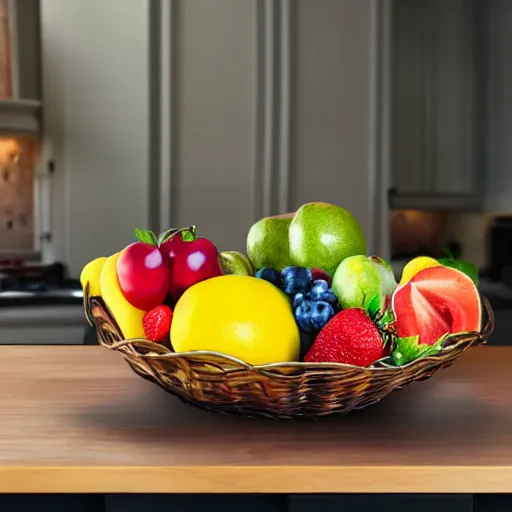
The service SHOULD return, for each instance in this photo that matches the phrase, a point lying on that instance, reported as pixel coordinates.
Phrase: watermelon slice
(435, 302)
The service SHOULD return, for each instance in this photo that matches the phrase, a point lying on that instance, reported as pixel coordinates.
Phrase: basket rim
(157, 351)
(379, 365)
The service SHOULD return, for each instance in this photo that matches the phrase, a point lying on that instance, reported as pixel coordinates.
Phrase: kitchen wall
(469, 229)
(251, 108)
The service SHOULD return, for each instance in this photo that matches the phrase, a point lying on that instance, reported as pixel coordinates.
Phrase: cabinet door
(408, 98)
(450, 103)
(434, 115)
(331, 148)
(380, 502)
(191, 502)
(214, 128)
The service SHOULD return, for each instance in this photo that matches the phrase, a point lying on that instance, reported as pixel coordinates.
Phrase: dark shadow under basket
(286, 390)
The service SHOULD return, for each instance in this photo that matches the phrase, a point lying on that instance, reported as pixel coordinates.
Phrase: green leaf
(145, 236)
(373, 306)
(408, 349)
(188, 236)
(448, 253)
(388, 317)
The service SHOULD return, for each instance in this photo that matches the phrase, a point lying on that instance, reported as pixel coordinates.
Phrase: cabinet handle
(392, 192)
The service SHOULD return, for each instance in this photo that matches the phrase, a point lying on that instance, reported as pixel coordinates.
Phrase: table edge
(256, 479)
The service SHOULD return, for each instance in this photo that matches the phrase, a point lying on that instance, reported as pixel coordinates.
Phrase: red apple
(193, 260)
(143, 272)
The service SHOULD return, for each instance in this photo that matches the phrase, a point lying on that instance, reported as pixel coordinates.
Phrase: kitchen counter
(78, 420)
(41, 319)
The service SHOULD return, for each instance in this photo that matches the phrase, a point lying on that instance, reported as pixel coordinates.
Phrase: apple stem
(166, 235)
(171, 233)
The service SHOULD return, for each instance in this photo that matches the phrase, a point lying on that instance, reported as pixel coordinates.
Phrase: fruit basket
(225, 384)
(306, 324)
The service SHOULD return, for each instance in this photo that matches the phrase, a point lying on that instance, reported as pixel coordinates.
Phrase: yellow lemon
(128, 318)
(91, 274)
(415, 265)
(241, 316)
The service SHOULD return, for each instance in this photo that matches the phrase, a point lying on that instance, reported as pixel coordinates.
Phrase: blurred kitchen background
(116, 114)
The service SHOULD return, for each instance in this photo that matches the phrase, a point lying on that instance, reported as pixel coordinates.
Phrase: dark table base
(255, 503)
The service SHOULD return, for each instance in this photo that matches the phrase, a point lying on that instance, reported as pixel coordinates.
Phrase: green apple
(363, 282)
(323, 235)
(268, 242)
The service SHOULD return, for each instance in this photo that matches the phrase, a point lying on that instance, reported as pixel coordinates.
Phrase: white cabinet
(332, 114)
(272, 106)
(214, 135)
(97, 119)
(20, 67)
(435, 121)
(42, 325)
(249, 109)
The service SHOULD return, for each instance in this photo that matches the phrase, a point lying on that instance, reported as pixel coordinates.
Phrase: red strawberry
(349, 337)
(157, 323)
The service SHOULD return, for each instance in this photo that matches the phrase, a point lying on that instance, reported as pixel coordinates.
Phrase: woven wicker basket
(286, 390)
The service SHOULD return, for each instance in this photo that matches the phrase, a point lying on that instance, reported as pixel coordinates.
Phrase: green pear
(323, 235)
(363, 282)
(235, 263)
(267, 242)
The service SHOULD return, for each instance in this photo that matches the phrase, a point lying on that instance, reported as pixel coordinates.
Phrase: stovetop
(35, 286)
(44, 284)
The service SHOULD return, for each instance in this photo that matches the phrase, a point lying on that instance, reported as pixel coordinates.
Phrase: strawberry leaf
(373, 306)
(408, 349)
(387, 317)
(145, 236)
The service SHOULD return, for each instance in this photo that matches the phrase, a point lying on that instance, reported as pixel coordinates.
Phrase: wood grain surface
(77, 419)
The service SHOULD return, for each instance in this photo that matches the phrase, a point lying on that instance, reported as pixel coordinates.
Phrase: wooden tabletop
(77, 419)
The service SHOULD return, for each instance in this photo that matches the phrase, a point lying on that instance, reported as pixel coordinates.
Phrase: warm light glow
(18, 159)
(10, 152)
(415, 230)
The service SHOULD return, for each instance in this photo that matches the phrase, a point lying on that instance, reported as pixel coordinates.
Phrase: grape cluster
(313, 301)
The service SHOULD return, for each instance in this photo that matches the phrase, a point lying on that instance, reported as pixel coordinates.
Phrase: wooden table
(78, 420)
